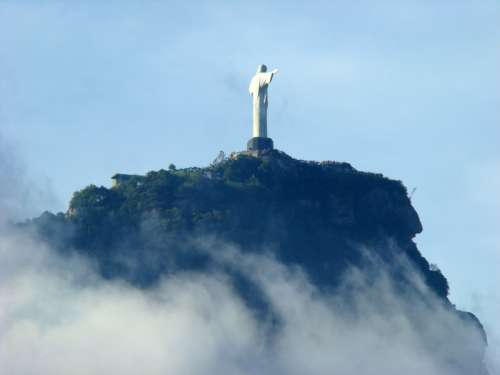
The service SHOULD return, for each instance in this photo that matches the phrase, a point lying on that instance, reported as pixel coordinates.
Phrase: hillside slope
(324, 217)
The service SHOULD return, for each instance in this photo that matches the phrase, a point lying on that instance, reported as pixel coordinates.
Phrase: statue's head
(261, 68)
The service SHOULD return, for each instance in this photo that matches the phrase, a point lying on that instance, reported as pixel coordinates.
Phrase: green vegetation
(318, 215)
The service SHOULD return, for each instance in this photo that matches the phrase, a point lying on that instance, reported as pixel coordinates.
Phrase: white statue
(258, 89)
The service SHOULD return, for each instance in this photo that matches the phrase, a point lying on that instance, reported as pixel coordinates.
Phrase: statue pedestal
(260, 144)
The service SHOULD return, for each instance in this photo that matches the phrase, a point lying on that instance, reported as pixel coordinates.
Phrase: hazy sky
(410, 89)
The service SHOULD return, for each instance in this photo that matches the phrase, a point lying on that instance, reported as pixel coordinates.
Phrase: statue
(258, 89)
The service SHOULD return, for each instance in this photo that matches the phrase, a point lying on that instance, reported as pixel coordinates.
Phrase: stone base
(260, 144)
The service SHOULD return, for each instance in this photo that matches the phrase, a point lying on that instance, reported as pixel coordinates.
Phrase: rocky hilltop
(326, 218)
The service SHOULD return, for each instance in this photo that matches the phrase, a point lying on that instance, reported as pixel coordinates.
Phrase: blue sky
(410, 89)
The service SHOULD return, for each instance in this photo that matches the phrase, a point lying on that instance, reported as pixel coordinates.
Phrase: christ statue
(258, 89)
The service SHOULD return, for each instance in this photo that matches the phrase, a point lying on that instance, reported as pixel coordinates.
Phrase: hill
(325, 218)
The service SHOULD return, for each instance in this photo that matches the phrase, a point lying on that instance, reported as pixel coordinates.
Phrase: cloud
(487, 306)
(20, 196)
(58, 316)
(10, 176)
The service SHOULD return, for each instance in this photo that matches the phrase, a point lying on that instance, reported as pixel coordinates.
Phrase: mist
(21, 196)
(58, 316)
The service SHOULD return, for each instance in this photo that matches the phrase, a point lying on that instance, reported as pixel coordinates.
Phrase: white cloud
(58, 317)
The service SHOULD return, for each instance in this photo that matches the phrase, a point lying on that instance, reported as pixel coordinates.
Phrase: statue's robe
(258, 89)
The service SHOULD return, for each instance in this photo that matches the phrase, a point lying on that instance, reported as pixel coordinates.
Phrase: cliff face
(326, 218)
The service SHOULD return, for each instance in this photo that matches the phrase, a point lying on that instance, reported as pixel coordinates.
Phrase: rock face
(324, 217)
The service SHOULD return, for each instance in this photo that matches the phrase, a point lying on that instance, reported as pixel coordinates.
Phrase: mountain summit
(326, 219)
